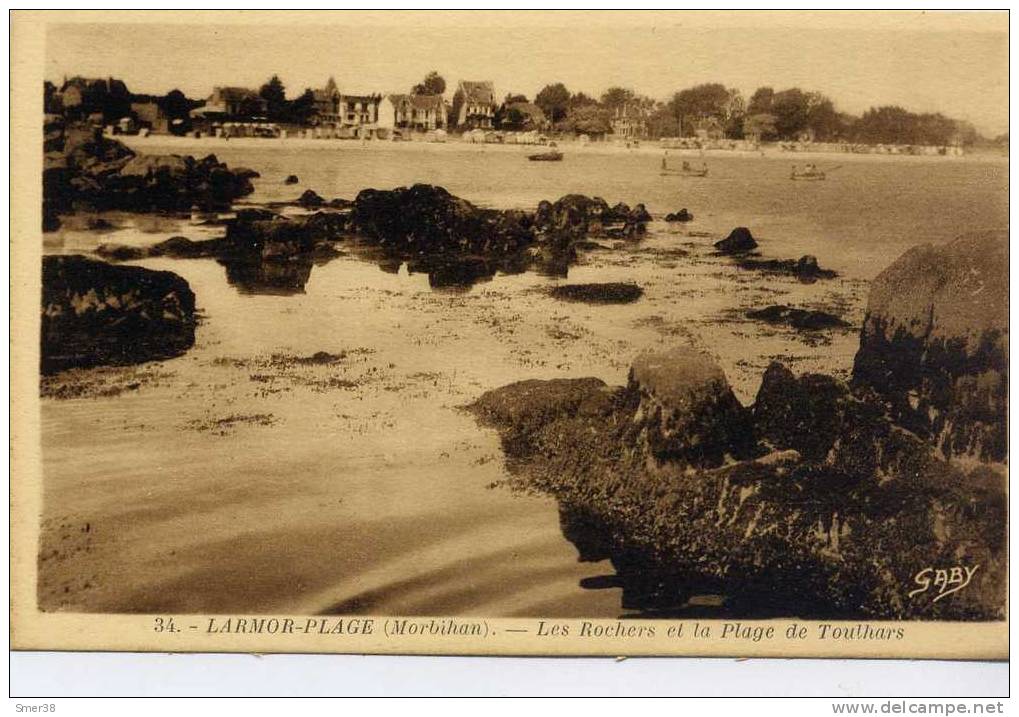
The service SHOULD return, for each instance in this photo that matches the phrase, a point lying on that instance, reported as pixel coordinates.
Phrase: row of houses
(334, 113)
(473, 107)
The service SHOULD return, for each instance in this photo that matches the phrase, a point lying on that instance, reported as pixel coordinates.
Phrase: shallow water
(240, 477)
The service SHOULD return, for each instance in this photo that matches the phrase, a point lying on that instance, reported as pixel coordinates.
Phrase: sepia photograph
(511, 332)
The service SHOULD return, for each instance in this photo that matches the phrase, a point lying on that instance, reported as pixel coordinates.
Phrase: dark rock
(686, 411)
(639, 215)
(427, 219)
(310, 199)
(121, 252)
(96, 173)
(681, 216)
(246, 172)
(99, 224)
(573, 214)
(801, 319)
(607, 293)
(50, 217)
(833, 528)
(251, 214)
(934, 344)
(291, 179)
(806, 268)
(739, 241)
(339, 203)
(94, 313)
(184, 248)
(526, 407)
(806, 414)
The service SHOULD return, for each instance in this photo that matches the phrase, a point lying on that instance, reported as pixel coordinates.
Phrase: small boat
(808, 176)
(553, 156)
(685, 171)
(667, 172)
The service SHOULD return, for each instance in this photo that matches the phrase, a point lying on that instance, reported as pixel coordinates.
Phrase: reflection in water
(448, 272)
(460, 272)
(651, 589)
(268, 277)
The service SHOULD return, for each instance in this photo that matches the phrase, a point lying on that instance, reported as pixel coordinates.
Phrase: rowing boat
(553, 156)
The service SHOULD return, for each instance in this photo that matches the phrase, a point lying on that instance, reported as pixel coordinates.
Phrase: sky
(954, 63)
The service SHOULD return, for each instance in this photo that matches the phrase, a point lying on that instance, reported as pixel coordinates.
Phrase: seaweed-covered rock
(935, 344)
(806, 413)
(96, 173)
(806, 268)
(800, 319)
(683, 215)
(686, 413)
(739, 241)
(607, 293)
(428, 219)
(833, 525)
(94, 313)
(310, 199)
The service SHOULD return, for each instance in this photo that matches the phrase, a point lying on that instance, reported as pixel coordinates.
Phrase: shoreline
(191, 144)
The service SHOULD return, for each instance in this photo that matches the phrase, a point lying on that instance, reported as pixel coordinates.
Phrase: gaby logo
(943, 581)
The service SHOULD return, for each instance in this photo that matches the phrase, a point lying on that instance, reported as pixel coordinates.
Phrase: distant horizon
(924, 67)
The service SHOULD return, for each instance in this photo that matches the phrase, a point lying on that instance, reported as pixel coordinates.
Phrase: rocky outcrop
(686, 412)
(310, 200)
(812, 503)
(934, 344)
(424, 219)
(739, 241)
(94, 313)
(97, 173)
(823, 499)
(576, 216)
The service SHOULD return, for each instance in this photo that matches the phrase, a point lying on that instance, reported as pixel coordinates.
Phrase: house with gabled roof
(422, 113)
(474, 105)
(349, 115)
(229, 102)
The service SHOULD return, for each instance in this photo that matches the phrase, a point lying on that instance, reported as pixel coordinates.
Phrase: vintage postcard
(516, 332)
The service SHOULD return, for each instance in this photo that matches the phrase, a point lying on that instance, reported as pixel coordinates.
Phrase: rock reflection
(648, 591)
(271, 277)
(461, 272)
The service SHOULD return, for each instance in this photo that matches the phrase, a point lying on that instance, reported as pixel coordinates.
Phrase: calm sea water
(239, 478)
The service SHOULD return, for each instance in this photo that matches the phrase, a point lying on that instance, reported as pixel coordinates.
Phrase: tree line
(769, 115)
(722, 112)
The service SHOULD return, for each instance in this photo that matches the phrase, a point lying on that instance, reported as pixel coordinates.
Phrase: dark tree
(433, 84)
(510, 118)
(760, 101)
(275, 97)
(303, 108)
(175, 105)
(617, 97)
(697, 104)
(553, 101)
(589, 119)
(511, 99)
